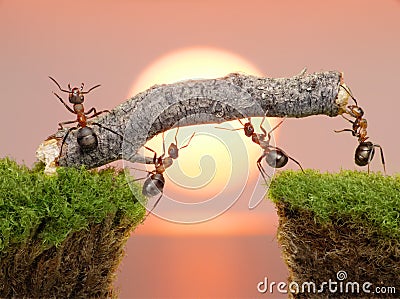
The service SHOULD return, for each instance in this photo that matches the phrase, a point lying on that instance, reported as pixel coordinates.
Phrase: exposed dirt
(317, 253)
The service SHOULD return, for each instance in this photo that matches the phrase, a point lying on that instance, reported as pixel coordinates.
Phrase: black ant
(274, 156)
(86, 137)
(155, 181)
(366, 149)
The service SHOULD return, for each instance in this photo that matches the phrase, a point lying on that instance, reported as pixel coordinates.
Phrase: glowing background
(114, 42)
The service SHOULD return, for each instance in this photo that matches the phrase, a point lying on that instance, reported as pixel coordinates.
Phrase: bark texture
(195, 102)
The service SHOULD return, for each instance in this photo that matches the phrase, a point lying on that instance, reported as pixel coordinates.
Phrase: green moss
(49, 208)
(371, 199)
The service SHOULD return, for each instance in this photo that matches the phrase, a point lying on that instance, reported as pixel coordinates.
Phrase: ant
(274, 156)
(359, 129)
(86, 137)
(366, 149)
(155, 181)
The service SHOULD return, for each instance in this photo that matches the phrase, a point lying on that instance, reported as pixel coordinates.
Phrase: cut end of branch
(342, 98)
(47, 153)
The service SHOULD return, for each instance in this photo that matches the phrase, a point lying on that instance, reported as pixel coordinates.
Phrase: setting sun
(218, 163)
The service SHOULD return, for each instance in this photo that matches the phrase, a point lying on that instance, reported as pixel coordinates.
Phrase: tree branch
(197, 102)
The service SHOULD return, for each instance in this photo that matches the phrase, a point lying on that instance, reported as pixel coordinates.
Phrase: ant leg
(262, 128)
(349, 120)
(249, 120)
(297, 162)
(344, 130)
(65, 104)
(294, 160)
(176, 136)
(156, 203)
(163, 146)
(261, 169)
(382, 157)
(138, 179)
(228, 129)
(63, 141)
(274, 128)
(155, 154)
(134, 180)
(58, 85)
(187, 144)
(66, 123)
(370, 157)
(151, 210)
(108, 129)
(146, 160)
(95, 112)
(262, 121)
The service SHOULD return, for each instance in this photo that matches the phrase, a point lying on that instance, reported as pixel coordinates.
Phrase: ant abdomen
(364, 153)
(276, 158)
(154, 185)
(87, 139)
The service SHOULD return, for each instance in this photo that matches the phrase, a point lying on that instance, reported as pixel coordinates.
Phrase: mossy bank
(62, 236)
(343, 228)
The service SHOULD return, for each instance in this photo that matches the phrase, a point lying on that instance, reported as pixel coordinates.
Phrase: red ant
(366, 149)
(274, 156)
(359, 129)
(154, 183)
(86, 137)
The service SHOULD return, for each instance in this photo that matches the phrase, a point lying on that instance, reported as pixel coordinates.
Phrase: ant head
(248, 129)
(355, 111)
(76, 96)
(173, 151)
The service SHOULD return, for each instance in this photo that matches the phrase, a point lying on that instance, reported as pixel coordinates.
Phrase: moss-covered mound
(62, 236)
(340, 233)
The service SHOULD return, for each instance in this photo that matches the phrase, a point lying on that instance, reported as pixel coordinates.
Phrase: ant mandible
(274, 156)
(155, 181)
(365, 150)
(86, 137)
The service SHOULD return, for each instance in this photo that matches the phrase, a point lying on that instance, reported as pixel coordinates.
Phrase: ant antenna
(85, 92)
(58, 85)
(347, 89)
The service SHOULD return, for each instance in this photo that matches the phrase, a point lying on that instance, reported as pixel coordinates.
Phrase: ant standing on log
(274, 156)
(86, 137)
(155, 180)
(366, 149)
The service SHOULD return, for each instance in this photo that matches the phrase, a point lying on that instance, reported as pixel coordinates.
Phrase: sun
(216, 163)
(192, 63)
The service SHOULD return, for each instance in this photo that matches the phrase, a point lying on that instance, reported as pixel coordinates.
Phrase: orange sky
(113, 43)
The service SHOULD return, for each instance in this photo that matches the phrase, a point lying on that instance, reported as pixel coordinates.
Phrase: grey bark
(195, 102)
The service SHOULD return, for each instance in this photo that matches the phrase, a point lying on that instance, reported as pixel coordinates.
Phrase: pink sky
(113, 42)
